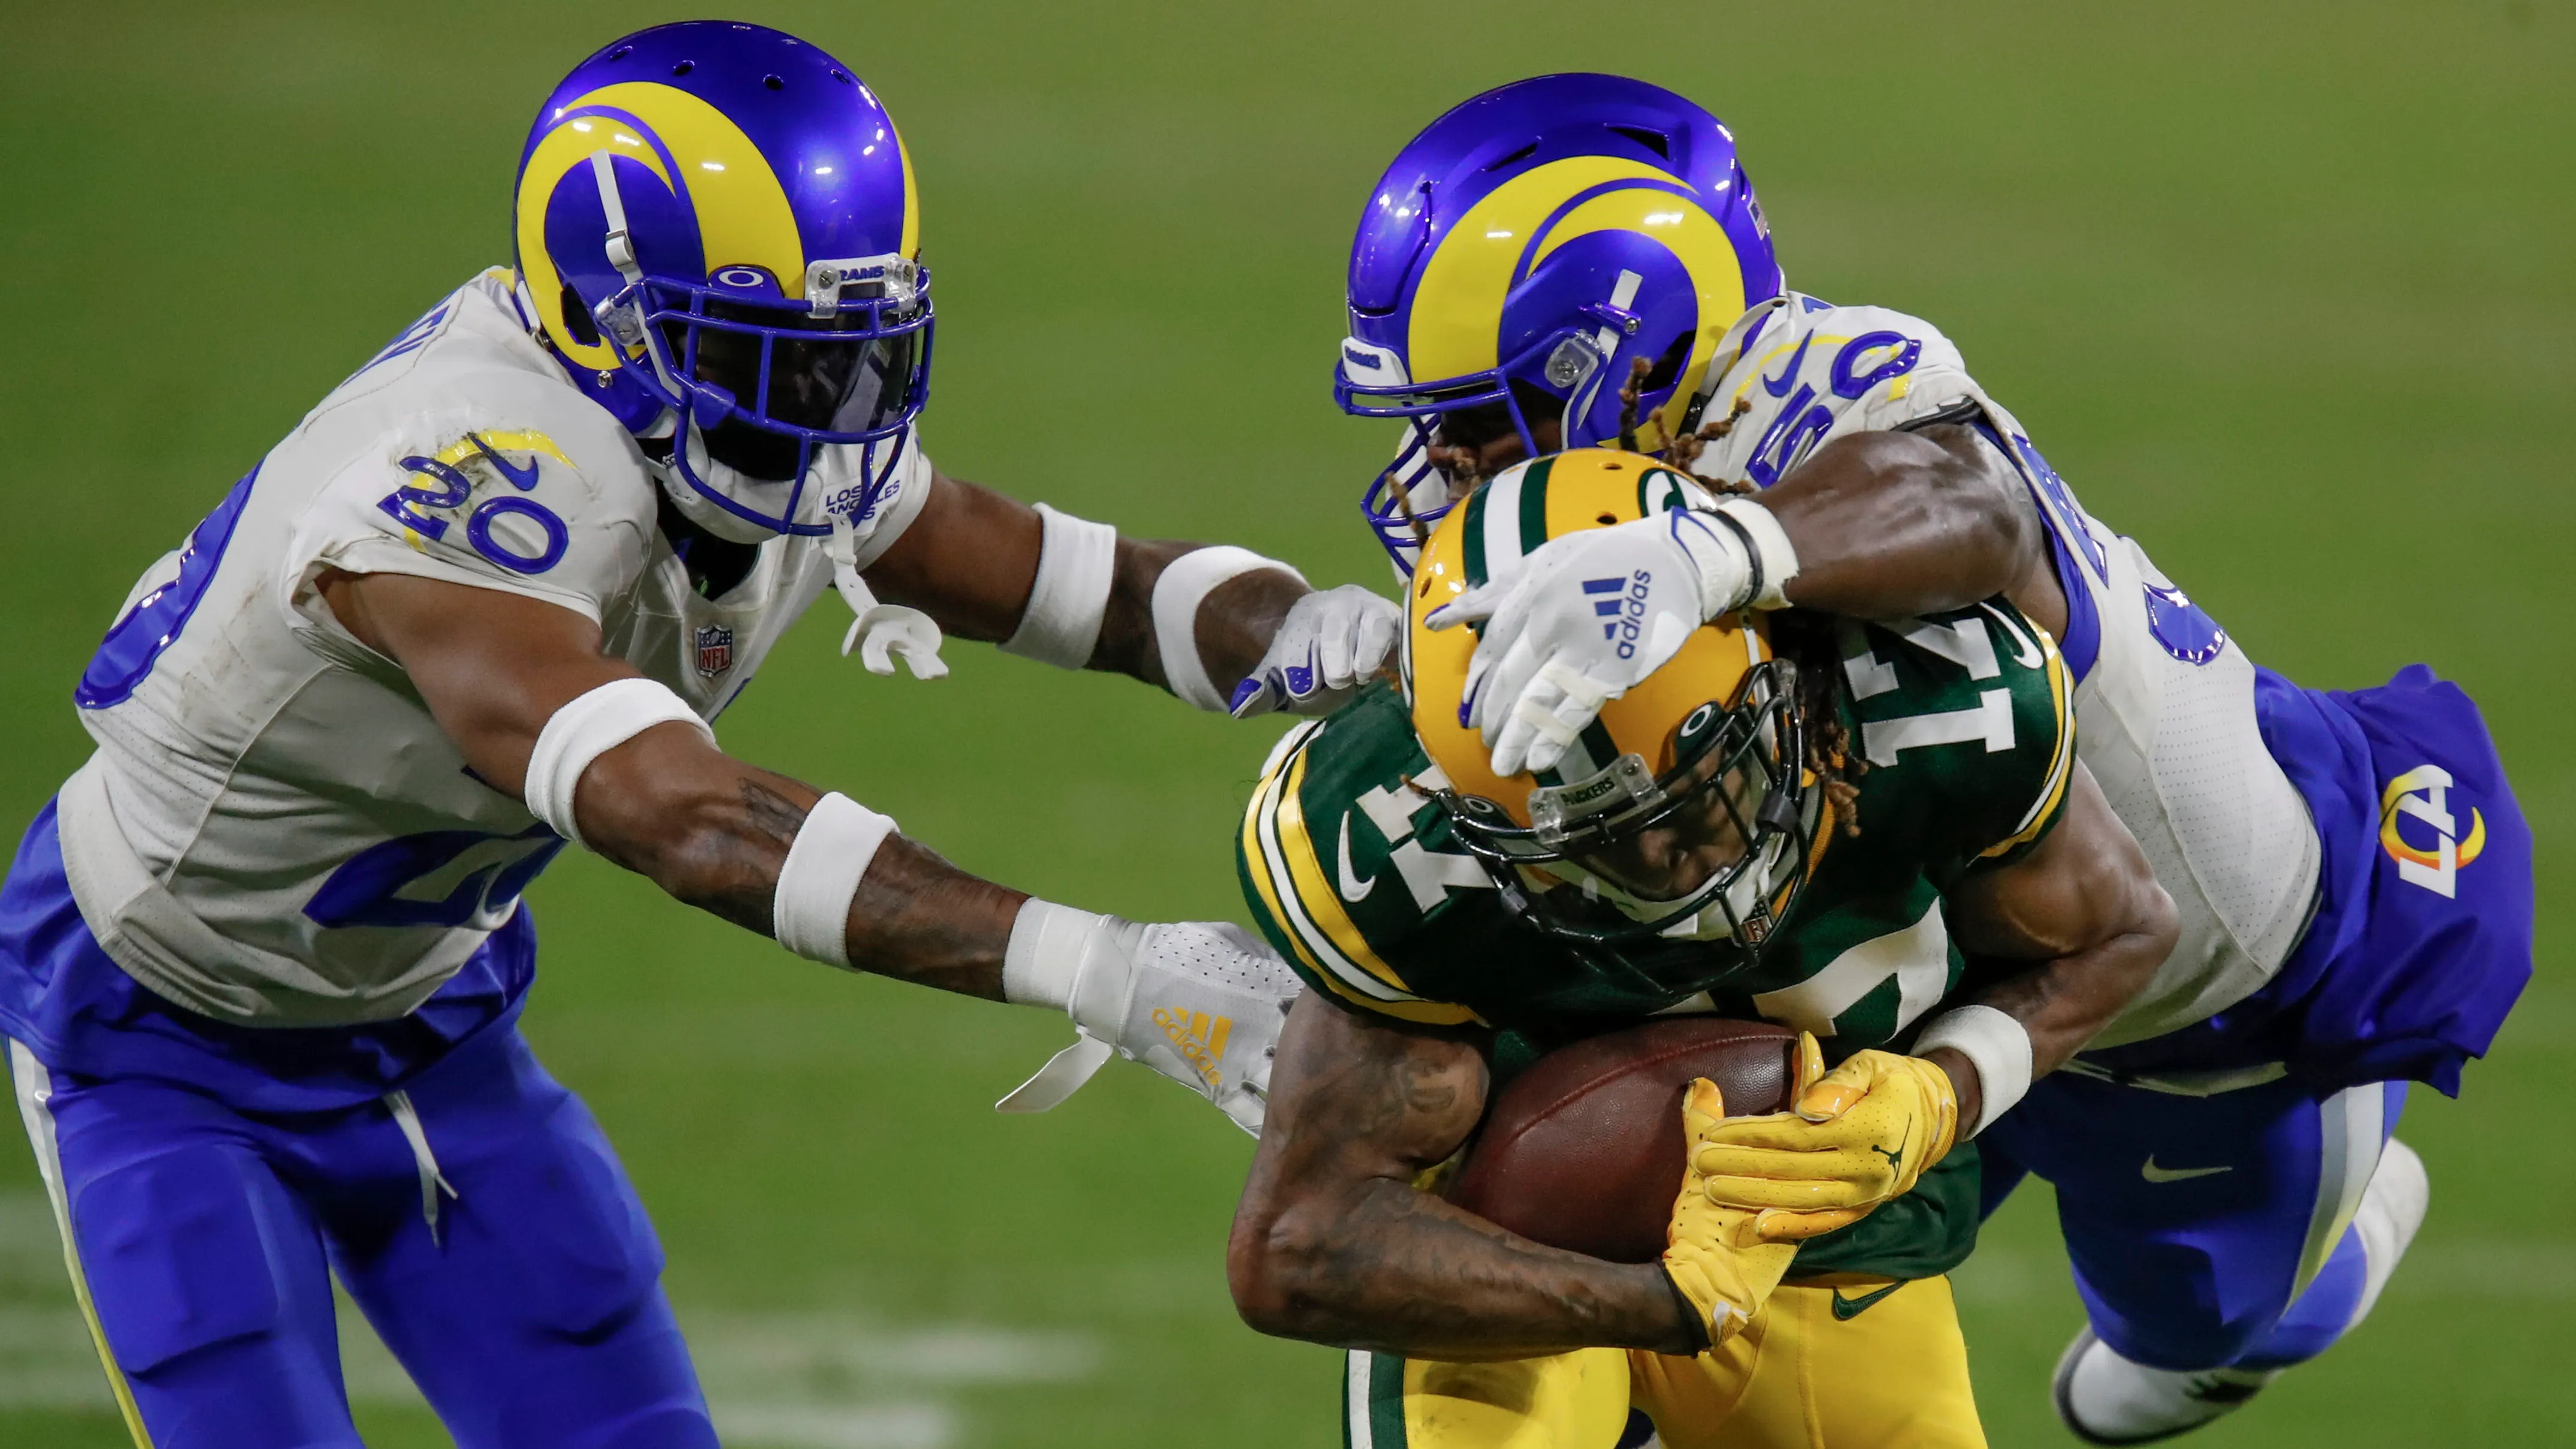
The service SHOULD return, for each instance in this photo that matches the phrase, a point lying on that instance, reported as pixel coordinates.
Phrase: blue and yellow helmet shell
(755, 151)
(747, 163)
(1552, 232)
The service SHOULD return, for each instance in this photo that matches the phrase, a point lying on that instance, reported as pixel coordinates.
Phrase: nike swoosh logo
(522, 479)
(1353, 889)
(1779, 386)
(2153, 1173)
(1850, 1308)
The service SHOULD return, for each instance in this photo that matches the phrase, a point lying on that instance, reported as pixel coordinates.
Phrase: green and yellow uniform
(1351, 869)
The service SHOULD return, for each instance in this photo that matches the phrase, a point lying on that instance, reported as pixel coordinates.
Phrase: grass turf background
(2286, 291)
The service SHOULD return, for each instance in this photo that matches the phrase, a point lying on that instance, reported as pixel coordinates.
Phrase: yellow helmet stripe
(911, 246)
(1697, 241)
(743, 215)
(1456, 302)
(565, 147)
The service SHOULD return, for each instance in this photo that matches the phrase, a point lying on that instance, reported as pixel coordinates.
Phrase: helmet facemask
(1711, 854)
(768, 389)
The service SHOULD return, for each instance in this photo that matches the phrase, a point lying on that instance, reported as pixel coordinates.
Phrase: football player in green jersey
(1839, 826)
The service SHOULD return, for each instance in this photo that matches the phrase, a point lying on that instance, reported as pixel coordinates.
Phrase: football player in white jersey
(262, 958)
(1578, 260)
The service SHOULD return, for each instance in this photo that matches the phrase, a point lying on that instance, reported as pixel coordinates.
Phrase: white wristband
(1775, 563)
(810, 913)
(1185, 584)
(588, 726)
(1999, 1047)
(1077, 560)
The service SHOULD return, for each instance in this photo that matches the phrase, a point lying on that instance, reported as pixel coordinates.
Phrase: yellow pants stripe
(35, 1093)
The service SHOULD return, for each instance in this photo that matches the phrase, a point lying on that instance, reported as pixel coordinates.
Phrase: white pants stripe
(2352, 1124)
(35, 1090)
(1357, 1403)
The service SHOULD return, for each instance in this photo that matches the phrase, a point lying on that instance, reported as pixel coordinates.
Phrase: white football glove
(1580, 619)
(1201, 1002)
(1330, 644)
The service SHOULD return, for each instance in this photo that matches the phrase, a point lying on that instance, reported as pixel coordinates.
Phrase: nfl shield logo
(715, 650)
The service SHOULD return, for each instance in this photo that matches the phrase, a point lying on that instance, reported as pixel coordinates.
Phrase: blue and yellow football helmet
(1523, 253)
(718, 223)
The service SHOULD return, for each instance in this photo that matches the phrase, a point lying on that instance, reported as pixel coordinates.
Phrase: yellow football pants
(1888, 1370)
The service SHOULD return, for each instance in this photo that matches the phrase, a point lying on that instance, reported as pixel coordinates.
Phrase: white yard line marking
(774, 1380)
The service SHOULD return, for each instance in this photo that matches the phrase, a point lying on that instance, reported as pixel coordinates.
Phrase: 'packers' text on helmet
(717, 225)
(1682, 824)
(1522, 255)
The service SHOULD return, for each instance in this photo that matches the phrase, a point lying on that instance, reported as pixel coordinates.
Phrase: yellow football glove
(1861, 1134)
(1715, 1257)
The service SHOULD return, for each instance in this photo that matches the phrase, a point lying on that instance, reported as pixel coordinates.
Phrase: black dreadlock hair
(1808, 640)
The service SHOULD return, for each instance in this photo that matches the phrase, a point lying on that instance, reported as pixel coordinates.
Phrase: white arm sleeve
(587, 727)
(1076, 562)
(1185, 585)
(810, 913)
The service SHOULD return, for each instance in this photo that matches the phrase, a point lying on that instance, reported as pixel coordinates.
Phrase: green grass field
(2286, 291)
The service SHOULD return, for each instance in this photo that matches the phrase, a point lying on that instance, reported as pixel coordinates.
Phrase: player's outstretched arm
(1332, 1243)
(617, 762)
(2076, 930)
(710, 830)
(1220, 627)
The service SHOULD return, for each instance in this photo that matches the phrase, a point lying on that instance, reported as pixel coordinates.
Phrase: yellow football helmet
(1687, 811)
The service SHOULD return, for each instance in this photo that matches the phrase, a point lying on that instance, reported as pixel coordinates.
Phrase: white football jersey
(2164, 700)
(273, 830)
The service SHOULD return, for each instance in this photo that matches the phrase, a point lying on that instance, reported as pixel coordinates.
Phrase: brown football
(1583, 1150)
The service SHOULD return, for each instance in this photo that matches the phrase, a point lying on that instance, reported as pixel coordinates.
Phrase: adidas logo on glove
(1623, 611)
(1198, 1037)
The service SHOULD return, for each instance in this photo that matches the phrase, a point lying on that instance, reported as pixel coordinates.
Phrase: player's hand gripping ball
(1856, 1137)
(1717, 1256)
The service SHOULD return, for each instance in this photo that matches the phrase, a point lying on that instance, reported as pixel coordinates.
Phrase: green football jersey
(1351, 868)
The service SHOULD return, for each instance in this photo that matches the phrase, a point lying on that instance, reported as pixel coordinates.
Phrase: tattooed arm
(712, 831)
(1332, 1243)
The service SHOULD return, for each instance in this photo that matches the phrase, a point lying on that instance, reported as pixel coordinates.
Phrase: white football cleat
(2105, 1399)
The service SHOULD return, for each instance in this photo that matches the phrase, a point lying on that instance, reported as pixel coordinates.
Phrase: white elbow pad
(810, 914)
(1076, 561)
(1185, 585)
(1997, 1044)
(587, 727)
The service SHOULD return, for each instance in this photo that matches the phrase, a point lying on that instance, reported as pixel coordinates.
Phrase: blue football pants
(478, 1218)
(2205, 1231)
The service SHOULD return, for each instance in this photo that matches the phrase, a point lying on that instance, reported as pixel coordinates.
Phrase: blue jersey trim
(134, 643)
(2082, 643)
